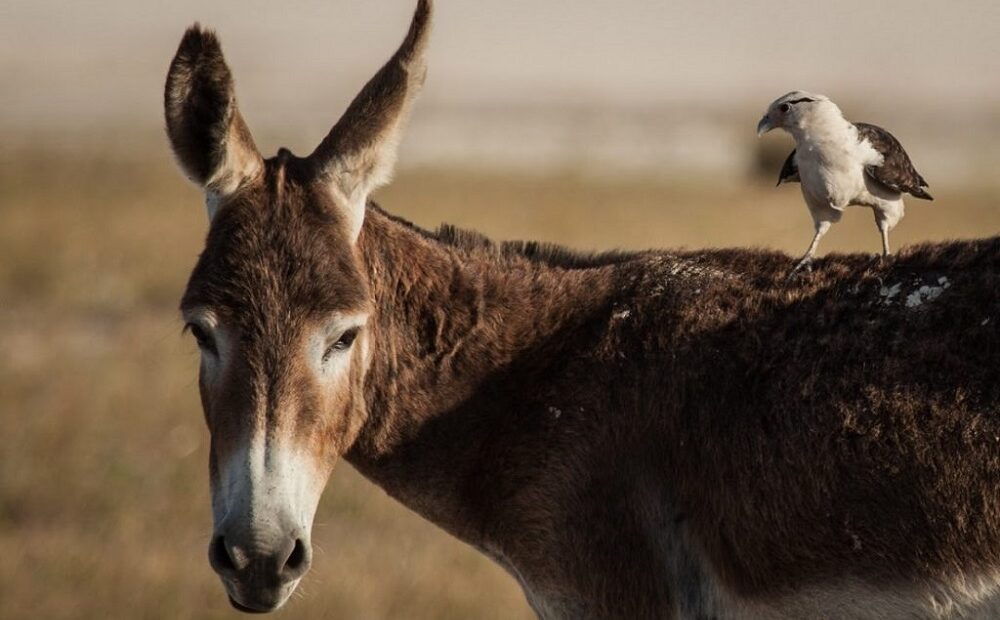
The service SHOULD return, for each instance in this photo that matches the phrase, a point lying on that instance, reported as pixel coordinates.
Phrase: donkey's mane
(550, 254)
(941, 255)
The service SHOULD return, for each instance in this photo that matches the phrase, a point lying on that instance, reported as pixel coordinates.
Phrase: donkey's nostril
(219, 557)
(232, 561)
(298, 561)
(297, 557)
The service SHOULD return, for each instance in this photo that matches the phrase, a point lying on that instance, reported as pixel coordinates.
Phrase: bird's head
(791, 110)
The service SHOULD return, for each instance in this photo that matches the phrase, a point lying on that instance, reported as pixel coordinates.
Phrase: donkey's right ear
(208, 135)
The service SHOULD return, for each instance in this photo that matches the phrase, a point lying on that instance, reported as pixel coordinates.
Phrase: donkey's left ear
(208, 135)
(359, 153)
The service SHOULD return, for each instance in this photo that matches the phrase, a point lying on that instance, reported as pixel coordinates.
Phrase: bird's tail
(920, 192)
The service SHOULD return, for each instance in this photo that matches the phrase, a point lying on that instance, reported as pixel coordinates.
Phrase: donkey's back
(826, 448)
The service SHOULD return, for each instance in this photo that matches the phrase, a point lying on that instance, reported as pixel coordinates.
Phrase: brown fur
(258, 272)
(800, 435)
(634, 435)
(203, 122)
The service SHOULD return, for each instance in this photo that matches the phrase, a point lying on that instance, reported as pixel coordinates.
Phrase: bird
(840, 164)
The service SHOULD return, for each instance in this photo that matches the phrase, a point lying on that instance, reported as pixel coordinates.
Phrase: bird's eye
(202, 337)
(784, 107)
(343, 343)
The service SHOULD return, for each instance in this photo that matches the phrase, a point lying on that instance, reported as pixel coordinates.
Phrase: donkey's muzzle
(259, 572)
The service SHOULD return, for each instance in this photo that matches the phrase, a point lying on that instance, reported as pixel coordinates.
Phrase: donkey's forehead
(279, 245)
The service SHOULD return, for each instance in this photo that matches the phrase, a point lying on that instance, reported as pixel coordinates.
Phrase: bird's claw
(804, 265)
(880, 260)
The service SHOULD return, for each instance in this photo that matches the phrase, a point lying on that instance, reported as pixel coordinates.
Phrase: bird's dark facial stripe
(802, 100)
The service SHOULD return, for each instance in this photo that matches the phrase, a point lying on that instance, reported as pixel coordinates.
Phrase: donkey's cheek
(337, 426)
(340, 402)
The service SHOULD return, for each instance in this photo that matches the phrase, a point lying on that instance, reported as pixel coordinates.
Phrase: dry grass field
(104, 509)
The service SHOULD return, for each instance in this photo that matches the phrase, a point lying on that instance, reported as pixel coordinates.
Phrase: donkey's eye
(343, 343)
(205, 341)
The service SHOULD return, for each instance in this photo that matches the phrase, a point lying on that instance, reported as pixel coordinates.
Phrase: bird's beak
(764, 126)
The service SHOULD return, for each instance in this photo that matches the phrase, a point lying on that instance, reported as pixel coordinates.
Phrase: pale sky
(108, 58)
(89, 66)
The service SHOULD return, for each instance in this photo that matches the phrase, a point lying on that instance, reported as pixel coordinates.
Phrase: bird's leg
(806, 260)
(885, 241)
(884, 225)
(887, 215)
(803, 263)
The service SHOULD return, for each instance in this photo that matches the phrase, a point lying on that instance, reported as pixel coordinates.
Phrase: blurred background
(596, 124)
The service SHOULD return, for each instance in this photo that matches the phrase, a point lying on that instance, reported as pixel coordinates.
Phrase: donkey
(631, 435)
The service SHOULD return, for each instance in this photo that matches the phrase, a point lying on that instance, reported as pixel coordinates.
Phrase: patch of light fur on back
(687, 269)
(926, 293)
(918, 293)
(691, 268)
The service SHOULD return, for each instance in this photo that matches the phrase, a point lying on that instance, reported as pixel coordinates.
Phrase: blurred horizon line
(652, 142)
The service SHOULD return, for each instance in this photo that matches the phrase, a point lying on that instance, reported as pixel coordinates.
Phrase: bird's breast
(830, 181)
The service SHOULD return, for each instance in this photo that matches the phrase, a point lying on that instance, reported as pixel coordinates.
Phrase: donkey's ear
(359, 153)
(208, 135)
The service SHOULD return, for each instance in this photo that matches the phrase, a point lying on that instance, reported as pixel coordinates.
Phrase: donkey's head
(278, 303)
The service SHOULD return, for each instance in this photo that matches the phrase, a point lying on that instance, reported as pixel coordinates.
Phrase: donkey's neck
(454, 334)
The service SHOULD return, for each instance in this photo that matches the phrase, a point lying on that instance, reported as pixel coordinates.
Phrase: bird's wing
(789, 171)
(897, 171)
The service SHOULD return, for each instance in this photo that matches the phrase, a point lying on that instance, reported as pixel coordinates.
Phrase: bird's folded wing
(789, 171)
(896, 171)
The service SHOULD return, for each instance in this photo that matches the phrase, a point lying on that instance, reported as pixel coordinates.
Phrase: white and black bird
(841, 164)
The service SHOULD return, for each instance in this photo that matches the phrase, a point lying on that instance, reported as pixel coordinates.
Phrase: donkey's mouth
(253, 602)
(248, 610)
